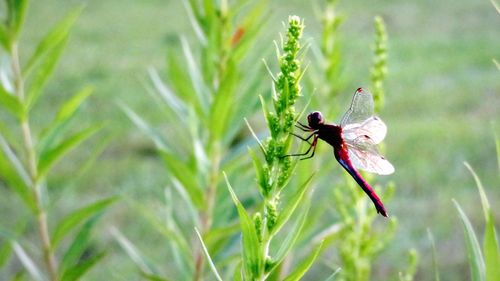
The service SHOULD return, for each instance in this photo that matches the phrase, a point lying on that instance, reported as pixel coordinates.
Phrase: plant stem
(207, 214)
(48, 254)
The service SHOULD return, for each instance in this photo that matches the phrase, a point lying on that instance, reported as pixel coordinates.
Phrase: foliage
(209, 93)
(26, 164)
(355, 237)
(484, 263)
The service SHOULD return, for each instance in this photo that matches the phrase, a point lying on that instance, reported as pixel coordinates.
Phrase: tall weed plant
(28, 156)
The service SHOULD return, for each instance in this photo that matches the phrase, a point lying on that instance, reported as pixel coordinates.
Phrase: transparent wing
(361, 108)
(364, 155)
(373, 127)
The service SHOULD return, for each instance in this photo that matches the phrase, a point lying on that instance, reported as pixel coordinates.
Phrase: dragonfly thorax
(315, 119)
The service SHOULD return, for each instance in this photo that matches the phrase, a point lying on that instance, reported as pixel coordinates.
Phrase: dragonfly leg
(313, 146)
(303, 127)
(304, 139)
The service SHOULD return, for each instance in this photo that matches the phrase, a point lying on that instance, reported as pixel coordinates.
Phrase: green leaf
(473, 250)
(27, 262)
(153, 277)
(12, 103)
(334, 275)
(184, 174)
(261, 176)
(217, 237)
(252, 250)
(291, 205)
(76, 272)
(5, 38)
(64, 115)
(497, 144)
(222, 105)
(490, 243)
(79, 244)
(144, 266)
(77, 217)
(5, 253)
(44, 70)
(167, 232)
(207, 254)
(237, 276)
(304, 266)
(14, 174)
(290, 238)
(148, 130)
(49, 157)
(176, 104)
(193, 15)
(434, 256)
(53, 38)
(200, 89)
(20, 7)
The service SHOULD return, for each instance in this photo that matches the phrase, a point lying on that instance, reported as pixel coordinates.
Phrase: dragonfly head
(314, 119)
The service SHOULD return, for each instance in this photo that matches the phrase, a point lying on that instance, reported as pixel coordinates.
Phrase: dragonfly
(354, 141)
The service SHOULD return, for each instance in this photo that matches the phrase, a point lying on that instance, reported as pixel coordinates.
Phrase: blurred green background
(442, 108)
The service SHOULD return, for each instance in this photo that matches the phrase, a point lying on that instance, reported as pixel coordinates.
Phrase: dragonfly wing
(373, 127)
(361, 108)
(364, 155)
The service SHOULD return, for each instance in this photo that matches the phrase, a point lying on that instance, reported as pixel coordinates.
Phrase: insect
(354, 141)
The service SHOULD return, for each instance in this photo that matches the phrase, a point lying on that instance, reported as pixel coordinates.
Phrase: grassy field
(442, 108)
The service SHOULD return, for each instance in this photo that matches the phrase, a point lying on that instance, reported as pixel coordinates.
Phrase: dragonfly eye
(315, 118)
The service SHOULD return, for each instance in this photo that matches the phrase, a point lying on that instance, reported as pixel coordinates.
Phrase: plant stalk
(207, 214)
(48, 253)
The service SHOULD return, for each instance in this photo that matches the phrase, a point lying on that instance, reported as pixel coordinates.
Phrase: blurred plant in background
(207, 96)
(28, 156)
(484, 263)
(355, 236)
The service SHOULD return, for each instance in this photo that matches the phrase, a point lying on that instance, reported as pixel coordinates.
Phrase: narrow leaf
(207, 254)
(63, 116)
(44, 71)
(4, 38)
(169, 233)
(291, 237)
(79, 244)
(153, 277)
(132, 252)
(255, 137)
(222, 105)
(5, 253)
(27, 262)
(77, 217)
(473, 250)
(185, 176)
(20, 7)
(252, 256)
(168, 96)
(14, 161)
(76, 272)
(334, 275)
(11, 103)
(490, 243)
(434, 256)
(192, 19)
(50, 157)
(53, 38)
(291, 205)
(148, 130)
(304, 266)
(196, 78)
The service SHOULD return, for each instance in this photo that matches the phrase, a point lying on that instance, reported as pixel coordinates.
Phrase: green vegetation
(186, 74)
